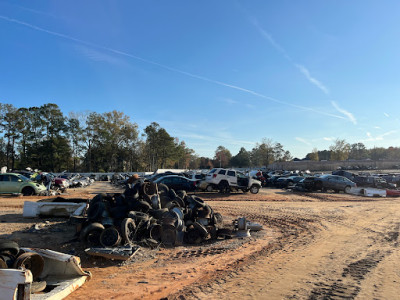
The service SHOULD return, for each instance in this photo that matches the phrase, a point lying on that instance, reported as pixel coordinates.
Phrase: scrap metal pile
(149, 214)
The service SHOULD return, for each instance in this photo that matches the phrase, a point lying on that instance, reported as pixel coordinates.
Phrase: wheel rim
(254, 190)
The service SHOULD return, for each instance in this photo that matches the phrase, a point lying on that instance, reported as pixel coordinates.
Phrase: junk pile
(28, 271)
(148, 214)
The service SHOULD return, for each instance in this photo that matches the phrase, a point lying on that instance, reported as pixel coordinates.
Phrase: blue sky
(230, 73)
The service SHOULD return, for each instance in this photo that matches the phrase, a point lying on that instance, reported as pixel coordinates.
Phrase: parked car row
(217, 179)
(30, 183)
(340, 180)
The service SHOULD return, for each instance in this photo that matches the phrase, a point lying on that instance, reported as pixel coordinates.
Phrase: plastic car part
(242, 225)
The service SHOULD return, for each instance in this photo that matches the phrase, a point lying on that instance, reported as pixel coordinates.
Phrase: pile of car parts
(148, 214)
(25, 271)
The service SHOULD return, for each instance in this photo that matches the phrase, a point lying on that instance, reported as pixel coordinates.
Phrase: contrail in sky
(64, 36)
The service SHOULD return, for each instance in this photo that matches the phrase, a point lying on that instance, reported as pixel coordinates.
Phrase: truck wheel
(254, 189)
(209, 188)
(224, 187)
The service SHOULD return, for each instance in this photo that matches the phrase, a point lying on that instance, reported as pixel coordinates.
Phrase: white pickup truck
(225, 180)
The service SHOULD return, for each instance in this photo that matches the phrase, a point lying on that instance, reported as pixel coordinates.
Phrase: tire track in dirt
(325, 255)
(355, 272)
(293, 229)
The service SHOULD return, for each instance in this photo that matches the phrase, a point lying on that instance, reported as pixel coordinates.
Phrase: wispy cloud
(99, 56)
(281, 50)
(328, 138)
(229, 101)
(348, 114)
(270, 39)
(386, 115)
(380, 137)
(304, 141)
(311, 79)
(172, 69)
(377, 127)
(250, 106)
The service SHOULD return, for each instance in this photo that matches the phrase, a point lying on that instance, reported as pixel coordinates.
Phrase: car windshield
(24, 178)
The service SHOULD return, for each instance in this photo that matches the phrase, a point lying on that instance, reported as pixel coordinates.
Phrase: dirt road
(314, 246)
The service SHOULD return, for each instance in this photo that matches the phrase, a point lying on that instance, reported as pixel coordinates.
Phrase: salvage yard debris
(45, 274)
(148, 214)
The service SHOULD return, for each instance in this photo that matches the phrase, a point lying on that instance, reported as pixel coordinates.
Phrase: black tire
(198, 201)
(204, 212)
(347, 189)
(91, 233)
(254, 189)
(172, 194)
(138, 216)
(110, 237)
(318, 185)
(31, 261)
(163, 189)
(209, 188)
(128, 230)
(28, 191)
(201, 229)
(181, 194)
(224, 187)
(157, 213)
(9, 246)
(218, 219)
(155, 232)
(119, 212)
(96, 210)
(38, 286)
(8, 259)
(97, 198)
(3, 264)
(164, 200)
(180, 201)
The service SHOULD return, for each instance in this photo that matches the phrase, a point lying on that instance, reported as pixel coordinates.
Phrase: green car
(12, 183)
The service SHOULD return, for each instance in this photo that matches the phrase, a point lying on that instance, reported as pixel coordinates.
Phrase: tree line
(341, 150)
(44, 138)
